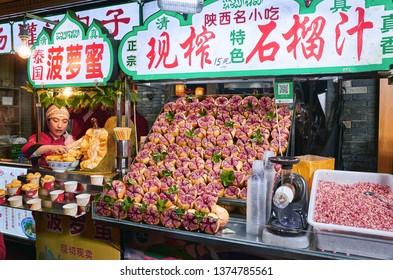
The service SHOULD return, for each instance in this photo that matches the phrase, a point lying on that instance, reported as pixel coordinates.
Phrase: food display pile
(197, 151)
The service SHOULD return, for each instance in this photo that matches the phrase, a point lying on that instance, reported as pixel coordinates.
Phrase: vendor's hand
(58, 149)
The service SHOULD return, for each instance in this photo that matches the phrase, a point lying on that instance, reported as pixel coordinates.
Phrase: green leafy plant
(89, 97)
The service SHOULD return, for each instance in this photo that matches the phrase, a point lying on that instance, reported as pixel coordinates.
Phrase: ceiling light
(24, 50)
(181, 6)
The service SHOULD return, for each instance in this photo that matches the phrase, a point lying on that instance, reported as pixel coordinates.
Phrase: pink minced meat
(347, 205)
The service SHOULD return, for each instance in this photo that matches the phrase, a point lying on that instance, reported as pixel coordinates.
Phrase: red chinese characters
(3, 40)
(64, 62)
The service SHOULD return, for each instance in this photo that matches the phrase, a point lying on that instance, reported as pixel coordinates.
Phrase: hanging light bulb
(24, 50)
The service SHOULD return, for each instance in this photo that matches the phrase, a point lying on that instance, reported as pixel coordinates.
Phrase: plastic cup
(57, 196)
(97, 179)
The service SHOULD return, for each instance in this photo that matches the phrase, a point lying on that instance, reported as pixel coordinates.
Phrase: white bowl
(70, 186)
(83, 199)
(70, 209)
(34, 203)
(74, 165)
(59, 166)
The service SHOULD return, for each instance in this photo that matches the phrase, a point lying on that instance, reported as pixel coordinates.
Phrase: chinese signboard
(118, 19)
(72, 55)
(68, 238)
(259, 38)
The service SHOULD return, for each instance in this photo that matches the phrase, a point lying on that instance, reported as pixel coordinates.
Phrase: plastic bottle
(256, 198)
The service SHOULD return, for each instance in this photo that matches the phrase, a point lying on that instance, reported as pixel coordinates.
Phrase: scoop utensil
(380, 199)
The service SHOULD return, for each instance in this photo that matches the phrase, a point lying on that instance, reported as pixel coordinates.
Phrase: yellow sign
(67, 238)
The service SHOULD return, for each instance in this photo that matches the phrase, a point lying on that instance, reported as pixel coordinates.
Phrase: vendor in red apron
(54, 139)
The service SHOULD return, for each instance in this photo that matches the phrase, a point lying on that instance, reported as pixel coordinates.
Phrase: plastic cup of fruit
(34, 204)
(70, 186)
(57, 195)
(70, 209)
(97, 180)
(16, 201)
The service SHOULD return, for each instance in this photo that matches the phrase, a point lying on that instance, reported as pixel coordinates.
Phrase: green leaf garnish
(270, 116)
(227, 177)
(179, 211)
(229, 124)
(191, 133)
(161, 204)
(158, 156)
(170, 116)
(173, 189)
(199, 216)
(203, 112)
(216, 157)
(166, 173)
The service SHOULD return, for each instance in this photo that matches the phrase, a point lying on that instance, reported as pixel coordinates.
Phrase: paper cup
(70, 186)
(31, 193)
(83, 199)
(34, 204)
(57, 196)
(16, 201)
(70, 209)
(2, 199)
(14, 191)
(97, 179)
(49, 185)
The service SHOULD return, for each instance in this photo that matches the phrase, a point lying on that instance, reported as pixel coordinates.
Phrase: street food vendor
(54, 139)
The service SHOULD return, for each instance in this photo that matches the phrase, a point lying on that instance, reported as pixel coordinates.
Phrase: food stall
(214, 45)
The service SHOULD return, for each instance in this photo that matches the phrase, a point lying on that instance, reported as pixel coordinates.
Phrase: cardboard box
(346, 239)
(309, 164)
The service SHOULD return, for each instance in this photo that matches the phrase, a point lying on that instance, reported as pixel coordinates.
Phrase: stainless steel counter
(237, 239)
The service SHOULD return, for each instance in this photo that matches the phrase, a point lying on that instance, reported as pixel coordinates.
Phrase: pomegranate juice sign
(265, 37)
(71, 55)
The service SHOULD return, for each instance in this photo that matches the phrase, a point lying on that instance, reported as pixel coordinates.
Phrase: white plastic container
(346, 239)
